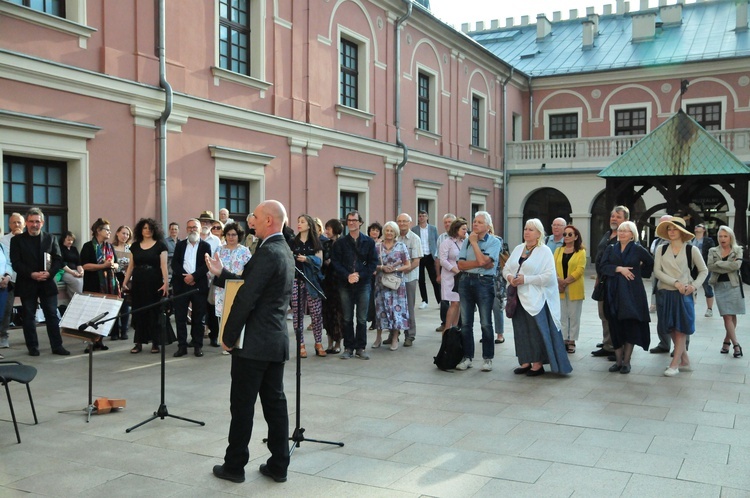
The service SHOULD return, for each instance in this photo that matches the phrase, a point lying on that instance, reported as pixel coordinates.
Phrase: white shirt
(191, 254)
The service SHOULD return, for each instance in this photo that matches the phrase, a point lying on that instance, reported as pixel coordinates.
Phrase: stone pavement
(409, 429)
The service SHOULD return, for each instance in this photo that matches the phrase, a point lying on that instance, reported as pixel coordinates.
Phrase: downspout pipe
(163, 83)
(505, 150)
(397, 105)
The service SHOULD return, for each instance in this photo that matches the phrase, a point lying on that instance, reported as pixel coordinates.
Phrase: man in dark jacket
(256, 334)
(189, 273)
(36, 259)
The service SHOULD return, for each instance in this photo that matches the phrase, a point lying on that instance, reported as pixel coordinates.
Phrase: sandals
(319, 351)
(154, 349)
(571, 348)
(333, 350)
(500, 340)
(725, 348)
(137, 349)
(302, 351)
(737, 350)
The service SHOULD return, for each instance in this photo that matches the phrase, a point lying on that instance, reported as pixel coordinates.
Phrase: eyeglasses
(569, 234)
(216, 228)
(352, 221)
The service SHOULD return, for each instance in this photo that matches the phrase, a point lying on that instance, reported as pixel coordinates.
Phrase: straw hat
(207, 216)
(675, 221)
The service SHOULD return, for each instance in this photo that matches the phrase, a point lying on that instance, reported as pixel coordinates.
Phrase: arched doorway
(547, 204)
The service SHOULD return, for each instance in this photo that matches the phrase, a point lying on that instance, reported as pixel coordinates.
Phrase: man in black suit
(258, 318)
(36, 259)
(189, 272)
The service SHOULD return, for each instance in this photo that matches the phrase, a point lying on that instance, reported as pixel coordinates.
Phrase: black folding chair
(14, 371)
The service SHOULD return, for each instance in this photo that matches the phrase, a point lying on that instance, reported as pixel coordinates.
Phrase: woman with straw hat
(676, 288)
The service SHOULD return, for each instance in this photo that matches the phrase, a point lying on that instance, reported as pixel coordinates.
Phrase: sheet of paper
(231, 287)
(82, 308)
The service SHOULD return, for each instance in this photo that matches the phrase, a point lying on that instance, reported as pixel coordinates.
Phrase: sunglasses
(569, 234)
(216, 228)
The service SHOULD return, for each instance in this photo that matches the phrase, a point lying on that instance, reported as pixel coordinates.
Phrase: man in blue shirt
(477, 261)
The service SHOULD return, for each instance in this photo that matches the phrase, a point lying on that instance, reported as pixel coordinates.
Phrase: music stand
(162, 412)
(88, 310)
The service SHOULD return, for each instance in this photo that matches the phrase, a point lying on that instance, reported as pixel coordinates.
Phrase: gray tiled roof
(707, 31)
(678, 147)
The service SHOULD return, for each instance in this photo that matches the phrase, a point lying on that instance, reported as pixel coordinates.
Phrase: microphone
(92, 322)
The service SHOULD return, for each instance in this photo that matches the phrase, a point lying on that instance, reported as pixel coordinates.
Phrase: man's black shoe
(600, 345)
(658, 350)
(61, 351)
(215, 343)
(221, 473)
(33, 352)
(601, 352)
(612, 357)
(180, 352)
(198, 352)
(267, 472)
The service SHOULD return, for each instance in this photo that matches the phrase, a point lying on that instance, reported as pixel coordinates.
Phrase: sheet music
(83, 308)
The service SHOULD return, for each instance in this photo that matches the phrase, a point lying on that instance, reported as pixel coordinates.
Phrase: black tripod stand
(298, 435)
(162, 411)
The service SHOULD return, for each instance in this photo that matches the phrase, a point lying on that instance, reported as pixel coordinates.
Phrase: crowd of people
(345, 278)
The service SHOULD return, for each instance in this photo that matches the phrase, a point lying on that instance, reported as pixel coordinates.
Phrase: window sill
(427, 134)
(479, 149)
(225, 74)
(340, 108)
(48, 21)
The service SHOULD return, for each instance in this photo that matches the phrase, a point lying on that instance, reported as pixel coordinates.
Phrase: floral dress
(234, 260)
(391, 307)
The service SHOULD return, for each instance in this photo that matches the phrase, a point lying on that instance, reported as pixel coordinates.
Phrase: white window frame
(482, 120)
(73, 24)
(257, 77)
(554, 112)
(363, 72)
(428, 190)
(244, 165)
(478, 196)
(626, 107)
(356, 181)
(432, 125)
(710, 100)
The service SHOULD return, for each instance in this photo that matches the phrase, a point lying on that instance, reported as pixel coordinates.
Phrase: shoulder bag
(511, 302)
(389, 280)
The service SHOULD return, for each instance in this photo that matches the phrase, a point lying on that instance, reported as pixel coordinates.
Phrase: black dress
(625, 301)
(146, 280)
(333, 315)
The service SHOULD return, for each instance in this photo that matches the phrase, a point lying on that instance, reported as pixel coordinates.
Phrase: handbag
(456, 280)
(511, 297)
(389, 280)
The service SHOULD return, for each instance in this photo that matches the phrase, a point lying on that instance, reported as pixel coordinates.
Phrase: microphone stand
(298, 435)
(162, 411)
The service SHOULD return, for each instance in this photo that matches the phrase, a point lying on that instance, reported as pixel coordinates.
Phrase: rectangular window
(234, 35)
(233, 195)
(423, 205)
(35, 182)
(349, 74)
(563, 126)
(707, 115)
(630, 122)
(423, 118)
(52, 7)
(475, 121)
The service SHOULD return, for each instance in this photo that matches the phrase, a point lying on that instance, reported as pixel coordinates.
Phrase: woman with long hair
(536, 321)
(72, 270)
(150, 282)
(100, 264)
(625, 302)
(675, 304)
(121, 245)
(448, 257)
(375, 231)
(570, 264)
(308, 257)
(333, 316)
(724, 262)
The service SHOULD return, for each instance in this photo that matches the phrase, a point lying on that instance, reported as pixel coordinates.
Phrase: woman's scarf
(108, 283)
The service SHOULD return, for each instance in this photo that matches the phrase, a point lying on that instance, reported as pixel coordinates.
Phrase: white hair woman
(675, 305)
(624, 265)
(724, 262)
(530, 271)
(391, 306)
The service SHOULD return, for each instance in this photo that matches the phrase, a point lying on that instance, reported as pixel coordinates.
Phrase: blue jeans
(355, 295)
(477, 291)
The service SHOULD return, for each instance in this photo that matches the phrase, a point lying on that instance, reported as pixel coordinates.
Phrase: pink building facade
(260, 111)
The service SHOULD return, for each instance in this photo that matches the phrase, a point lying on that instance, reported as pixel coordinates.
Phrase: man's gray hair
(449, 216)
(622, 209)
(486, 215)
(35, 211)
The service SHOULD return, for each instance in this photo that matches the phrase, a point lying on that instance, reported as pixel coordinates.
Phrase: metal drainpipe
(531, 111)
(505, 150)
(397, 104)
(163, 83)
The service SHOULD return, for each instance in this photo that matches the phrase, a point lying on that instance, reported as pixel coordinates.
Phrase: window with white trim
(707, 114)
(478, 122)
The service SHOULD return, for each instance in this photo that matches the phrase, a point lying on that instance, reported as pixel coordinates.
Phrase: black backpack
(451, 349)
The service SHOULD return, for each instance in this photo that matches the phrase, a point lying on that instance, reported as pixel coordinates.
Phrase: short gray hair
(35, 211)
(486, 215)
(450, 216)
(630, 226)
(392, 225)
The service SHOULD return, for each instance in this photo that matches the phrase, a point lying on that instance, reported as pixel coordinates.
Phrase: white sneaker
(671, 372)
(465, 364)
(487, 366)
(709, 313)
(423, 305)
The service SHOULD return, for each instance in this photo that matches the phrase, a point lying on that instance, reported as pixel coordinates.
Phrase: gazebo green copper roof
(678, 147)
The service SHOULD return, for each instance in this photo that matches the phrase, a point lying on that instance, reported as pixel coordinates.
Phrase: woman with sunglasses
(570, 264)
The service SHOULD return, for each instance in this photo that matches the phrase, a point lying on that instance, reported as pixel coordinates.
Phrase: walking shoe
(222, 473)
(346, 355)
(487, 366)
(671, 372)
(61, 351)
(601, 352)
(423, 305)
(465, 363)
(4, 343)
(362, 354)
(709, 313)
(408, 342)
(441, 328)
